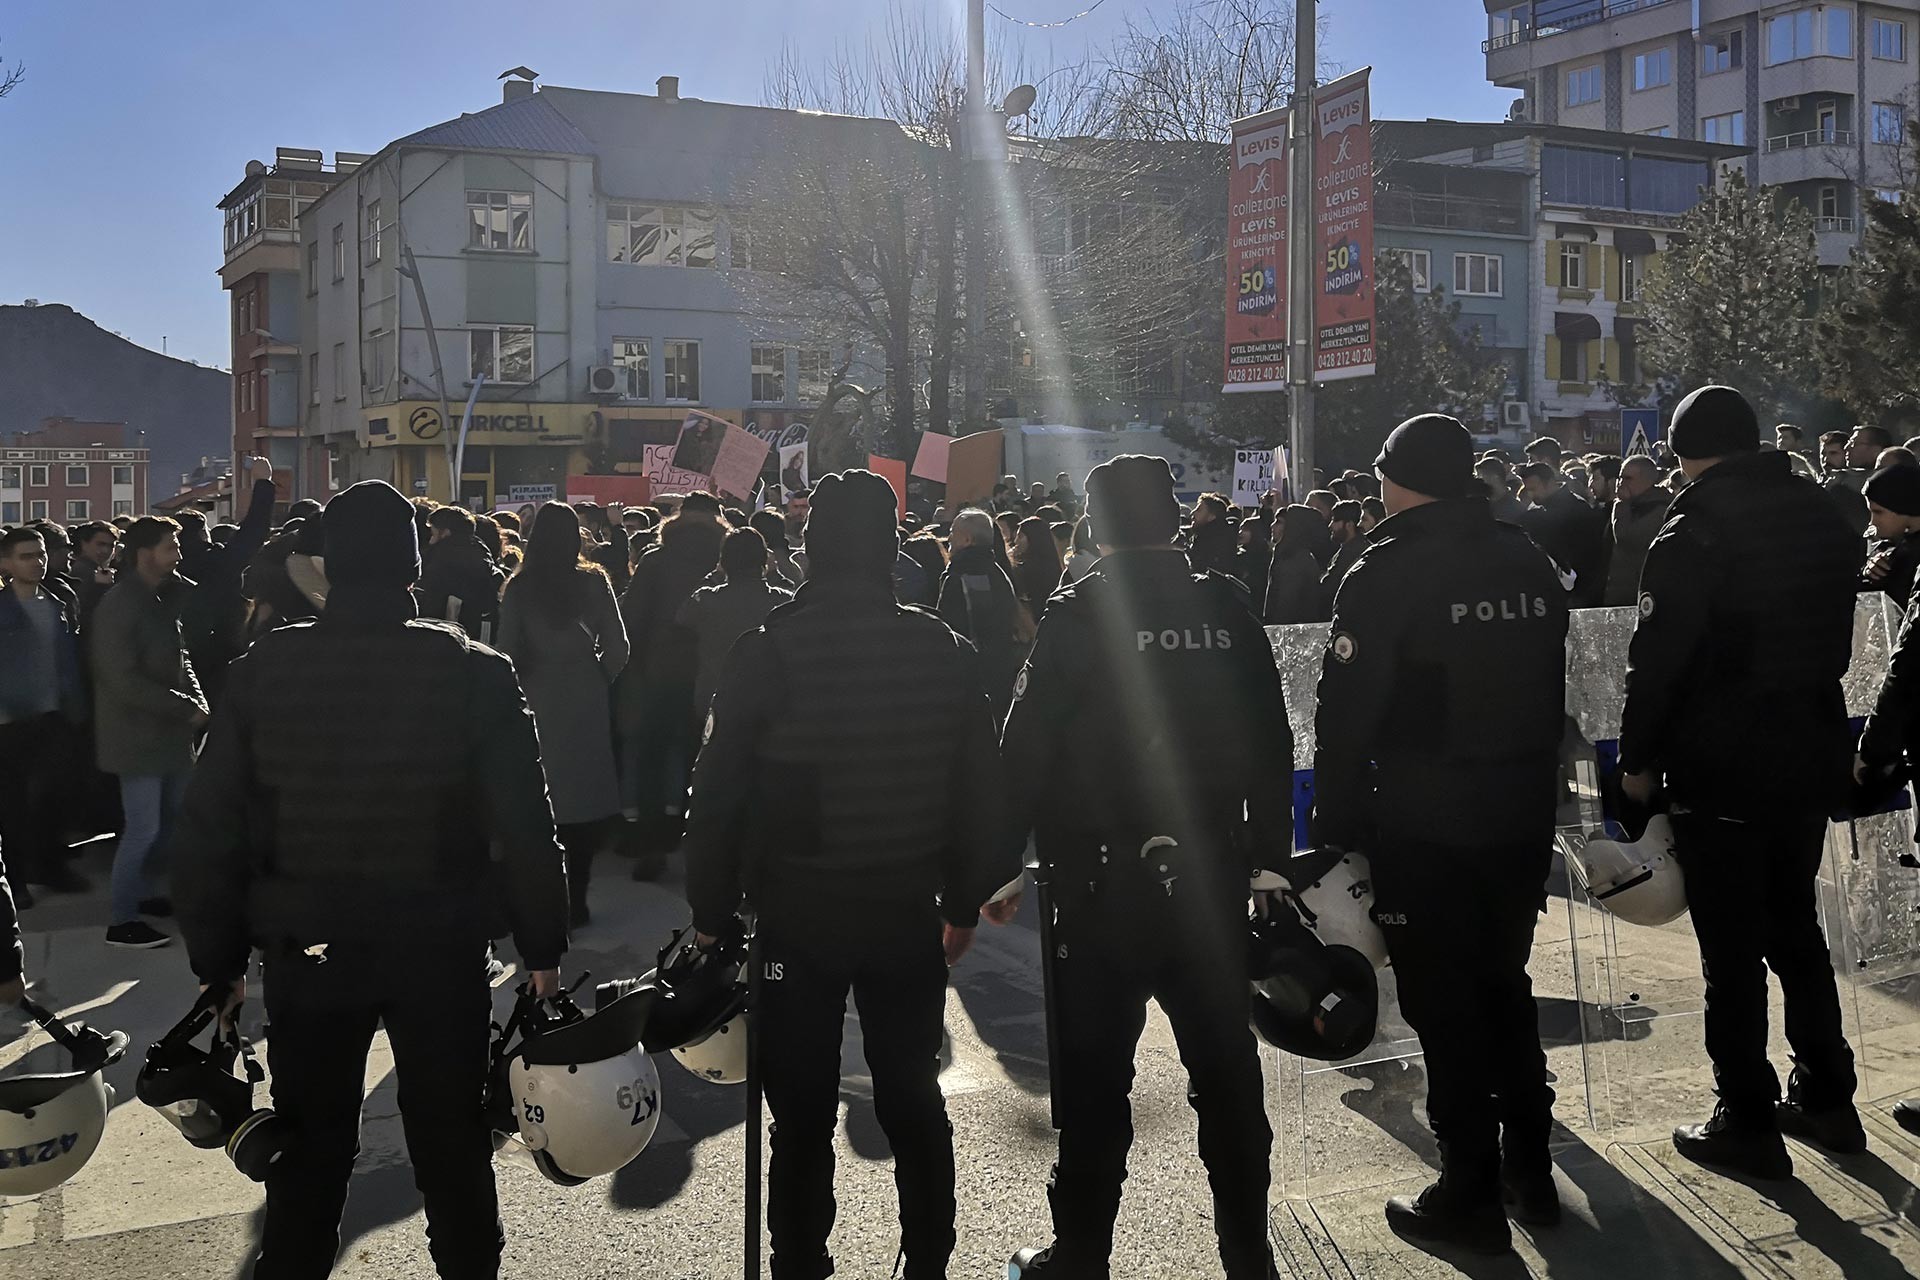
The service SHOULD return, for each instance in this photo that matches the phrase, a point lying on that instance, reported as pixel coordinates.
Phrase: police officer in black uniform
(851, 787)
(1148, 751)
(1734, 698)
(355, 776)
(1438, 729)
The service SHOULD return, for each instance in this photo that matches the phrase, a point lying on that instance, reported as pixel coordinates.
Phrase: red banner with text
(1343, 230)
(1257, 254)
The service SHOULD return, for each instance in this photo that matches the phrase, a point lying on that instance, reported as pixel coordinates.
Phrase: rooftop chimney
(514, 90)
(669, 87)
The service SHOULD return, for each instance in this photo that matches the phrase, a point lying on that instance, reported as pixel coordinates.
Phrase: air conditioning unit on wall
(603, 380)
(1516, 413)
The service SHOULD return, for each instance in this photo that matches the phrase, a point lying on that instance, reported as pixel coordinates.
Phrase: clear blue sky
(135, 118)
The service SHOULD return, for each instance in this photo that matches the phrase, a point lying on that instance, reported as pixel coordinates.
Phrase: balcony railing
(1810, 138)
(1448, 212)
(1569, 22)
(1833, 224)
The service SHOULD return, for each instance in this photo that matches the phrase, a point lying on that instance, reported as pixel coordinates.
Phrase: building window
(633, 357)
(339, 371)
(1652, 69)
(740, 240)
(339, 251)
(1889, 122)
(1583, 86)
(246, 393)
(650, 235)
(77, 510)
(123, 476)
(815, 376)
(374, 231)
(769, 375)
(1829, 202)
(1630, 272)
(502, 353)
(9, 513)
(379, 359)
(1730, 128)
(1573, 265)
(122, 506)
(1889, 40)
(1806, 33)
(1573, 361)
(9, 477)
(37, 477)
(313, 378)
(1889, 194)
(1659, 131)
(1419, 266)
(1722, 51)
(500, 220)
(1477, 274)
(680, 370)
(77, 477)
(37, 509)
(313, 267)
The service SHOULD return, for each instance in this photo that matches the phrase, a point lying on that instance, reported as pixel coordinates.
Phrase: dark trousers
(33, 783)
(893, 964)
(1459, 925)
(433, 998)
(1750, 890)
(1115, 948)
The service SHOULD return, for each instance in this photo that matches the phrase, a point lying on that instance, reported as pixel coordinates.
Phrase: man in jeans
(149, 709)
(40, 700)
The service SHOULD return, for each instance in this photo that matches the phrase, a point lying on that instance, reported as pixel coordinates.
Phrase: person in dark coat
(1893, 508)
(1212, 541)
(1494, 474)
(720, 615)
(850, 788)
(357, 854)
(1638, 512)
(1734, 674)
(654, 699)
(1255, 556)
(458, 569)
(1349, 543)
(42, 706)
(213, 616)
(561, 626)
(978, 601)
(1562, 524)
(1293, 578)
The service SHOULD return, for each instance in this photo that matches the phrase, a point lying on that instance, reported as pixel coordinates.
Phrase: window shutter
(1553, 358)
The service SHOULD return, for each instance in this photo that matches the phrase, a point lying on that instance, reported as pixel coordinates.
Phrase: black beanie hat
(1130, 500)
(852, 526)
(1432, 455)
(1897, 488)
(370, 537)
(1712, 423)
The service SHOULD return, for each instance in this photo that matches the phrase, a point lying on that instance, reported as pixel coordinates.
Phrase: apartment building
(1821, 93)
(69, 471)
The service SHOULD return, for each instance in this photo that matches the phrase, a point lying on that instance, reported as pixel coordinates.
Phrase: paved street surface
(149, 1206)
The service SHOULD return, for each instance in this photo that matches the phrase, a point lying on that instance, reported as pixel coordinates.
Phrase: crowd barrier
(1620, 1004)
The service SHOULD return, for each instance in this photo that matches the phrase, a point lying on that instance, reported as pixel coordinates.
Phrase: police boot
(1906, 1114)
(1054, 1263)
(1835, 1128)
(1462, 1208)
(1526, 1177)
(1733, 1142)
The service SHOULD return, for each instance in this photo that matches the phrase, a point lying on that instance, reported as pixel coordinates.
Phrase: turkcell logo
(1259, 292)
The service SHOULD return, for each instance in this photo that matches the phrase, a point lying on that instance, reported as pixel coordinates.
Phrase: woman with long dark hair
(1036, 565)
(560, 625)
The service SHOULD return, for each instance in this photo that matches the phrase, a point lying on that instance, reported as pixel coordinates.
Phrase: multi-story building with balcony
(69, 471)
(262, 272)
(1821, 93)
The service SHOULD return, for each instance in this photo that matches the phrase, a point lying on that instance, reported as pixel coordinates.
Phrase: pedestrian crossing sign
(1639, 432)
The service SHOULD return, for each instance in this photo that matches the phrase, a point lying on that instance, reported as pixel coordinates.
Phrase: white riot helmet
(1333, 892)
(699, 1011)
(1639, 882)
(579, 1094)
(51, 1122)
(719, 1058)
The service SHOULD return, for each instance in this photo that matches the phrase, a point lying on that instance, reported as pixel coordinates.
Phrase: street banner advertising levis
(1343, 230)
(1257, 255)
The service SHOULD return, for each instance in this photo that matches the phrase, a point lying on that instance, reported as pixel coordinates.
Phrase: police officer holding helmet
(356, 773)
(1440, 714)
(1148, 750)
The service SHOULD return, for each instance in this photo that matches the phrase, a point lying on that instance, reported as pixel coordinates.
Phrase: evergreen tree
(1870, 338)
(1732, 299)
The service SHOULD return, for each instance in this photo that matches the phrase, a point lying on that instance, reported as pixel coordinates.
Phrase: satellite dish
(1020, 101)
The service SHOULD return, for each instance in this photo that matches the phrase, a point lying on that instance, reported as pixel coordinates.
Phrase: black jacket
(1151, 706)
(850, 759)
(1443, 692)
(459, 568)
(1746, 628)
(352, 782)
(1575, 535)
(1904, 560)
(213, 621)
(1344, 559)
(1211, 547)
(1293, 589)
(978, 601)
